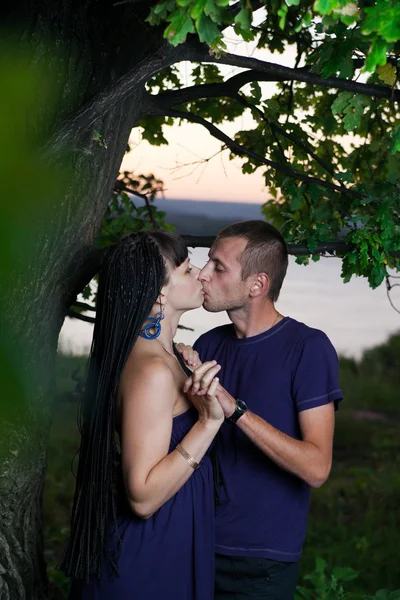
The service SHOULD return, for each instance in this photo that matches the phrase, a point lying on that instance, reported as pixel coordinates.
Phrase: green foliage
(28, 186)
(131, 208)
(335, 154)
(324, 586)
(98, 138)
(379, 23)
(125, 215)
(395, 147)
(164, 80)
(152, 129)
(331, 586)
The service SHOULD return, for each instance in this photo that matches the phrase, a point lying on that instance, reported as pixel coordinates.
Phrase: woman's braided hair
(130, 280)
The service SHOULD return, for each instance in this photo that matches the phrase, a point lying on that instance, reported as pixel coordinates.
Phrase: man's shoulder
(303, 333)
(309, 343)
(214, 335)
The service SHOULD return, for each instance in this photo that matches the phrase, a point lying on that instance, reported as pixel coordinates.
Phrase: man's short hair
(265, 252)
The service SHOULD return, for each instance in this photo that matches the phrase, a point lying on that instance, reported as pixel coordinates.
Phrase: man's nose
(204, 275)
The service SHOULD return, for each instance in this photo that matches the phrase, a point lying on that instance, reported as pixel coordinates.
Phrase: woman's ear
(162, 298)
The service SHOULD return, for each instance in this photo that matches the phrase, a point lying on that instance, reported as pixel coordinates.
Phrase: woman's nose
(196, 271)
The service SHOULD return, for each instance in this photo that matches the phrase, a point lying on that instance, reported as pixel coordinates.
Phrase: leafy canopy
(325, 137)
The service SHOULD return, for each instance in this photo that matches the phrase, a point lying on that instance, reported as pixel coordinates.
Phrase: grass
(354, 518)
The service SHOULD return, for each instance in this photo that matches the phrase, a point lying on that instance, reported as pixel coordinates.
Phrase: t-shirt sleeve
(316, 378)
(199, 346)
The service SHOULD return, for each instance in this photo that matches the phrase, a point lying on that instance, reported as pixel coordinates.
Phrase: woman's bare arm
(151, 475)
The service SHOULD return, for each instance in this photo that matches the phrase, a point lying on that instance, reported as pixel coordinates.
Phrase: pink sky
(218, 179)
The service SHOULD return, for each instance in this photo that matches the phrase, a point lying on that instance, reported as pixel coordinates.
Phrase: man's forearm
(302, 458)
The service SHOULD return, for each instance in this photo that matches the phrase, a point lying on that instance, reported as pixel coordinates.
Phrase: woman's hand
(190, 356)
(201, 388)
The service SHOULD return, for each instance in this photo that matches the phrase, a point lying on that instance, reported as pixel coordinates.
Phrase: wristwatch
(241, 408)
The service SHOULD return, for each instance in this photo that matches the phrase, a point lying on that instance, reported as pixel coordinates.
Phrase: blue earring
(152, 330)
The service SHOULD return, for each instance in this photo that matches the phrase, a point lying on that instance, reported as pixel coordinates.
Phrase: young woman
(143, 516)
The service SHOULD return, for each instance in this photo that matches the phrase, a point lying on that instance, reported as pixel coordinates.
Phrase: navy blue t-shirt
(287, 369)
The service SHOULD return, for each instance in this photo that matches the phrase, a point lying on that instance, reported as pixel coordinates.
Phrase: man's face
(222, 276)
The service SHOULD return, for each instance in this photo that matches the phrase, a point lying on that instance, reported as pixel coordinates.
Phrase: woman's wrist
(210, 424)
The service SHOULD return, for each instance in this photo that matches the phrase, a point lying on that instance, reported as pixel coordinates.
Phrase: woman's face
(184, 290)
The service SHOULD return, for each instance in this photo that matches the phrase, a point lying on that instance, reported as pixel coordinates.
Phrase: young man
(278, 389)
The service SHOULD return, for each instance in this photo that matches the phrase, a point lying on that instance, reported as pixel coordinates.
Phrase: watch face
(242, 406)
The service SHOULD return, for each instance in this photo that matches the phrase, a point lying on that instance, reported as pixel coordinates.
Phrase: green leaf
(340, 103)
(395, 146)
(87, 291)
(180, 25)
(324, 7)
(320, 564)
(243, 18)
(98, 138)
(213, 9)
(344, 573)
(256, 91)
(303, 593)
(352, 107)
(197, 9)
(387, 73)
(377, 54)
(282, 13)
(207, 30)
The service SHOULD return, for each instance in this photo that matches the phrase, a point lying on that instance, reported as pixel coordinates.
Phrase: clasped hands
(203, 386)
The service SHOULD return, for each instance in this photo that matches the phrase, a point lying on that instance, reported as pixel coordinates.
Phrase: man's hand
(227, 402)
(190, 356)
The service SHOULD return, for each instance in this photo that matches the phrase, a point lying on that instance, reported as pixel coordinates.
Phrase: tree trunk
(99, 44)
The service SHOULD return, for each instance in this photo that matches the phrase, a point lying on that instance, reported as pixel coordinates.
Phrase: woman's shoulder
(148, 368)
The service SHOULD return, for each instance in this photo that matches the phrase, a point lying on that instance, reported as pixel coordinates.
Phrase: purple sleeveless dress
(169, 556)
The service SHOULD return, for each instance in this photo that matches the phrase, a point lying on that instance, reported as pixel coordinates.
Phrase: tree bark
(99, 44)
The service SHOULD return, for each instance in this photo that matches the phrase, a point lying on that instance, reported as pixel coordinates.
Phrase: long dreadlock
(130, 280)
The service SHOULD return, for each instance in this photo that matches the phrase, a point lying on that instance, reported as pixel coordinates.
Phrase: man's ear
(260, 285)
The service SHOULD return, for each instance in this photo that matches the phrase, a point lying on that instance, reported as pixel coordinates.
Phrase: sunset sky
(220, 178)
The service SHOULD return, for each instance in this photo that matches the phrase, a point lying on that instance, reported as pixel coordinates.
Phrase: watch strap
(241, 408)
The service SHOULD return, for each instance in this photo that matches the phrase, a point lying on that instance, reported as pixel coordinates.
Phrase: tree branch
(168, 55)
(80, 317)
(242, 151)
(336, 247)
(94, 259)
(259, 70)
(84, 306)
(120, 187)
(304, 75)
(230, 89)
(290, 136)
(211, 90)
(75, 315)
